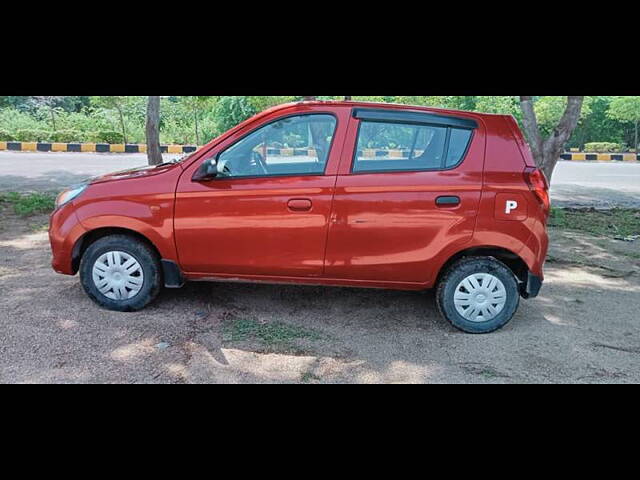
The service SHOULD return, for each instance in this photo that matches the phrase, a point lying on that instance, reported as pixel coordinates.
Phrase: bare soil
(584, 327)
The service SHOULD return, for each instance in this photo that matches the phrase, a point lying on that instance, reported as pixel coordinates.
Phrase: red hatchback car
(330, 193)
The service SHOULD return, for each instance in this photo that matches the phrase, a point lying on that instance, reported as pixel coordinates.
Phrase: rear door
(408, 193)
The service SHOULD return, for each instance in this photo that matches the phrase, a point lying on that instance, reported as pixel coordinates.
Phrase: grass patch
(614, 222)
(308, 377)
(274, 334)
(27, 204)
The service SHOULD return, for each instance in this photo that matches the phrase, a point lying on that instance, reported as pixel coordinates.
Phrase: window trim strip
(416, 118)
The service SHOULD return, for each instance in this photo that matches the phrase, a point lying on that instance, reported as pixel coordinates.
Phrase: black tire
(464, 268)
(146, 257)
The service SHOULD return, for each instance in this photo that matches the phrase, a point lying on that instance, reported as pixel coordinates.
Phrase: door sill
(317, 281)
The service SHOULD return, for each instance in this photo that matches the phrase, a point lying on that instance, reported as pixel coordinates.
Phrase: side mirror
(207, 171)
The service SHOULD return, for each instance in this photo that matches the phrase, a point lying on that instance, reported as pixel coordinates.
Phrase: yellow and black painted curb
(91, 147)
(142, 148)
(601, 157)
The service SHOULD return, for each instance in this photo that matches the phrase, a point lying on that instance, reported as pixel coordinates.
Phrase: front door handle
(448, 201)
(299, 204)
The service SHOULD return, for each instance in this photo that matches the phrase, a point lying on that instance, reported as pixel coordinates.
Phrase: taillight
(539, 185)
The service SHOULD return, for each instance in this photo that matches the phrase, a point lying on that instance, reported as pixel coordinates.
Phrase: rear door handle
(451, 201)
(299, 204)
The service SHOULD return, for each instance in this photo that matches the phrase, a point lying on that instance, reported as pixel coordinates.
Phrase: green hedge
(603, 147)
(62, 136)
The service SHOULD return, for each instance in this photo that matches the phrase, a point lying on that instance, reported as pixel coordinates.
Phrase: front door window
(297, 145)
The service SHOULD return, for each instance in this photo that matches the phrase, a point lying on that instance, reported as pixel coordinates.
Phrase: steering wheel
(259, 161)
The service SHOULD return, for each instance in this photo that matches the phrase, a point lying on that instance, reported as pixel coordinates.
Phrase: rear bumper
(532, 287)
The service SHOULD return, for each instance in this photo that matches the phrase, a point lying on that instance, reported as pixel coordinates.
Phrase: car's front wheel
(478, 294)
(120, 273)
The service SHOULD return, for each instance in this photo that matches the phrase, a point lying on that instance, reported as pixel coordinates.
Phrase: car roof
(382, 105)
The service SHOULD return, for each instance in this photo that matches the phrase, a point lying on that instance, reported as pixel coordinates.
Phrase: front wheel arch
(84, 242)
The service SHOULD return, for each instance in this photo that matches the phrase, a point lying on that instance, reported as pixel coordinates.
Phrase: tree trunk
(122, 126)
(195, 118)
(636, 142)
(546, 153)
(53, 118)
(308, 99)
(154, 155)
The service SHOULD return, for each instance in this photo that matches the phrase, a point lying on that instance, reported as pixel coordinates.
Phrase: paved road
(21, 171)
(596, 184)
(574, 183)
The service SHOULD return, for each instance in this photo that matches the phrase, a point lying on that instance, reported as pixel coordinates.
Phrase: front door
(267, 211)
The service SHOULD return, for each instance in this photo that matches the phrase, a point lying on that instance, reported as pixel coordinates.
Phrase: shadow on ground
(564, 195)
(54, 181)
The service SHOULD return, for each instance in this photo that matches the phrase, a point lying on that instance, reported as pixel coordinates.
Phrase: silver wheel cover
(118, 275)
(480, 297)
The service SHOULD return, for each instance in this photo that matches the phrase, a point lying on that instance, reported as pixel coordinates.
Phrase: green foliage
(499, 105)
(32, 135)
(7, 136)
(104, 136)
(625, 109)
(549, 111)
(67, 136)
(603, 147)
(598, 126)
(199, 119)
(29, 204)
(262, 103)
(230, 111)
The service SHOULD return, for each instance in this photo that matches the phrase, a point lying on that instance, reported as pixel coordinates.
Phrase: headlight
(69, 194)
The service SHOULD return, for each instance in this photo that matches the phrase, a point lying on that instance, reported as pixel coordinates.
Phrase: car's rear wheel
(120, 273)
(478, 294)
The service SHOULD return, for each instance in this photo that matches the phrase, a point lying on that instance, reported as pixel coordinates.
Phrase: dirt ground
(584, 328)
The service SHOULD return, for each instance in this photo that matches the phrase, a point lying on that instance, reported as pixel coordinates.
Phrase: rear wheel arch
(512, 260)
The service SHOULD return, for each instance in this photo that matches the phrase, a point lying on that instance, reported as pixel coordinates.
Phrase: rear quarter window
(459, 141)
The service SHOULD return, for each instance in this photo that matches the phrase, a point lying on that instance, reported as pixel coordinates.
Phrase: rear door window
(384, 147)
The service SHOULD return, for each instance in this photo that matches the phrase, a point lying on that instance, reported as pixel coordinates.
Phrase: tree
(498, 104)
(261, 103)
(154, 155)
(117, 103)
(626, 109)
(232, 110)
(549, 111)
(546, 152)
(19, 103)
(49, 103)
(195, 104)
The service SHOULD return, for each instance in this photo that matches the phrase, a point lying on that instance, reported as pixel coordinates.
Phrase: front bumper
(531, 287)
(64, 232)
